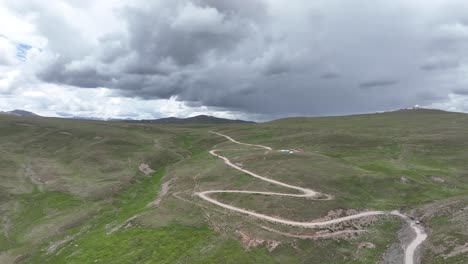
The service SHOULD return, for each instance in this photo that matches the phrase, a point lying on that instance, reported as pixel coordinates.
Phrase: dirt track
(410, 249)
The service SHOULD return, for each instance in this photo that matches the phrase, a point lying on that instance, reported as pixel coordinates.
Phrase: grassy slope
(56, 174)
(362, 159)
(140, 244)
(359, 159)
(376, 151)
(81, 182)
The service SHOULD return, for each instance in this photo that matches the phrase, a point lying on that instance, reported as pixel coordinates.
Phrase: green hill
(71, 190)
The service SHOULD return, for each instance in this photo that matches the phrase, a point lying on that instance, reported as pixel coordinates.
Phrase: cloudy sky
(254, 59)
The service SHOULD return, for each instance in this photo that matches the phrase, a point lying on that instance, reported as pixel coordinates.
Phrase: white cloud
(454, 102)
(19, 29)
(55, 100)
(193, 18)
(7, 52)
(7, 78)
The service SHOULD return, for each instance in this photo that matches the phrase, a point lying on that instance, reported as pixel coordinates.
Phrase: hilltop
(18, 112)
(403, 113)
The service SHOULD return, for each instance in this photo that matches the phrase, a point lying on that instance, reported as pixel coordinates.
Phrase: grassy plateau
(71, 191)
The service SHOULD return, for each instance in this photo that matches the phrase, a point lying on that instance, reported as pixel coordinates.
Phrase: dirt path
(410, 249)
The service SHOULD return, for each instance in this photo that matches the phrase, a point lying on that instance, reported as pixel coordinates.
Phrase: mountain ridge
(18, 112)
(199, 119)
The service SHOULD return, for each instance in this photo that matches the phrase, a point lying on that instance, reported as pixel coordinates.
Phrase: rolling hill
(200, 119)
(74, 191)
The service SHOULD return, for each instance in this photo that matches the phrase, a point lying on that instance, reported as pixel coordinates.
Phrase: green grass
(137, 196)
(55, 174)
(136, 245)
(128, 203)
(35, 209)
(194, 142)
(5, 243)
(34, 206)
(171, 244)
(146, 245)
(86, 183)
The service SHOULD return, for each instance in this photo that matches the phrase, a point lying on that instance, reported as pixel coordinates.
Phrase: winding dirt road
(409, 250)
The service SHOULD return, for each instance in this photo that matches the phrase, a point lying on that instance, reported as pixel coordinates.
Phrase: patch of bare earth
(321, 234)
(165, 187)
(363, 245)
(249, 241)
(403, 179)
(353, 224)
(145, 169)
(127, 224)
(344, 230)
(54, 245)
(25, 124)
(437, 179)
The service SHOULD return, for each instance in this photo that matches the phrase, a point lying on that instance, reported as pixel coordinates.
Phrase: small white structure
(289, 151)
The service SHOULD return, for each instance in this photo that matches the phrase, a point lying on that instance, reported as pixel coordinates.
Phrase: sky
(250, 59)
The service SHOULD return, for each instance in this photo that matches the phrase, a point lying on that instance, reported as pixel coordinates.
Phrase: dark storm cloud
(161, 55)
(460, 91)
(270, 57)
(184, 41)
(443, 64)
(377, 83)
(330, 75)
(85, 76)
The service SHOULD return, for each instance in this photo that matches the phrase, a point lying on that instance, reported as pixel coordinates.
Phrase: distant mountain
(201, 119)
(18, 112)
(88, 118)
